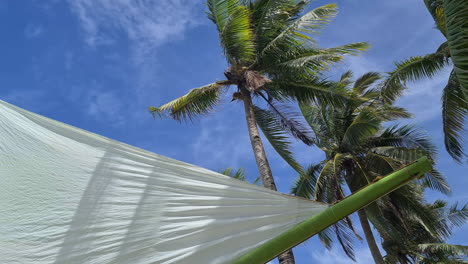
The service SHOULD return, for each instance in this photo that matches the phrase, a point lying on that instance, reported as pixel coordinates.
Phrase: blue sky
(98, 65)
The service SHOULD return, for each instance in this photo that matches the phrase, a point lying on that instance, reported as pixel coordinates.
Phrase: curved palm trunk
(261, 159)
(374, 249)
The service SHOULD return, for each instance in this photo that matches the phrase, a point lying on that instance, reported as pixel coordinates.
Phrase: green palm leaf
(237, 37)
(436, 181)
(318, 59)
(435, 7)
(402, 154)
(348, 49)
(196, 102)
(389, 112)
(365, 81)
(271, 16)
(344, 236)
(325, 179)
(290, 122)
(304, 186)
(308, 23)
(277, 137)
(362, 127)
(312, 59)
(219, 11)
(456, 16)
(404, 136)
(312, 90)
(457, 216)
(454, 112)
(410, 70)
(239, 174)
(345, 79)
(436, 247)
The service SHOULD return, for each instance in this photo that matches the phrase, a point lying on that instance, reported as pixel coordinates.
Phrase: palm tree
(269, 50)
(451, 17)
(426, 244)
(358, 151)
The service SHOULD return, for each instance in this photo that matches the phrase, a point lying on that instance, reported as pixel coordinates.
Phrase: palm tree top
(269, 47)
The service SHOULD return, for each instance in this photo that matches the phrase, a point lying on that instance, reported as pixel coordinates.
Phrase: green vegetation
(272, 57)
(359, 150)
(451, 18)
(269, 50)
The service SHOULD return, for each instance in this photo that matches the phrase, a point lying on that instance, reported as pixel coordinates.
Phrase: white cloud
(147, 23)
(105, 105)
(33, 98)
(222, 142)
(32, 31)
(140, 27)
(363, 256)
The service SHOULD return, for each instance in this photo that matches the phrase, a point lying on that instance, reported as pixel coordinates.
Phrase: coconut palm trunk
(261, 158)
(263, 40)
(370, 239)
(374, 249)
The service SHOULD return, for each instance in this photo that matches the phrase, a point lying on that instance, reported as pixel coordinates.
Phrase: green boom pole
(334, 213)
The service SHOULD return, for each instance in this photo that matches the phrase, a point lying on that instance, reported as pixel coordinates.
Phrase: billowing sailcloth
(71, 196)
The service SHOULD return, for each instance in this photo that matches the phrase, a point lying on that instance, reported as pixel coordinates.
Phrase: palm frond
(325, 237)
(436, 9)
(313, 115)
(219, 11)
(436, 181)
(348, 49)
(405, 136)
(312, 59)
(402, 154)
(196, 102)
(291, 122)
(454, 112)
(365, 81)
(237, 37)
(304, 186)
(390, 112)
(344, 237)
(451, 249)
(312, 90)
(410, 70)
(408, 202)
(239, 174)
(271, 16)
(308, 23)
(276, 135)
(456, 16)
(457, 216)
(324, 180)
(362, 127)
(345, 79)
(320, 59)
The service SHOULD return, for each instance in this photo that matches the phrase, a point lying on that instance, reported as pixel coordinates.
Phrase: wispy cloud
(147, 23)
(363, 256)
(222, 142)
(32, 31)
(105, 105)
(138, 28)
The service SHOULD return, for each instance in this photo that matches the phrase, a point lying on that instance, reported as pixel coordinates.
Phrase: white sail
(71, 196)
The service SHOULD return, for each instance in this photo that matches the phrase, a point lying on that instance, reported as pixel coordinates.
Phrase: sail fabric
(71, 196)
